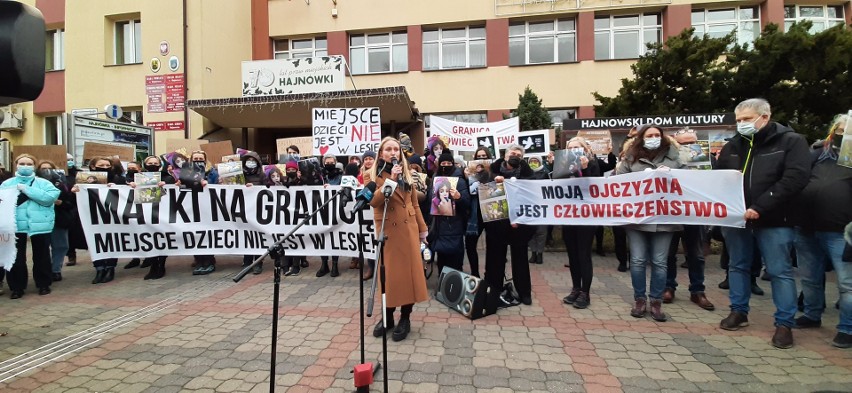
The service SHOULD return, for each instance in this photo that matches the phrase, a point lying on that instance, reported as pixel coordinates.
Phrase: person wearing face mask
(775, 162)
(157, 264)
(540, 171)
(34, 216)
(195, 176)
(823, 209)
(649, 243)
(474, 223)
(447, 232)
(254, 175)
(64, 206)
(434, 148)
(104, 268)
(500, 235)
(76, 237)
(578, 238)
(333, 174)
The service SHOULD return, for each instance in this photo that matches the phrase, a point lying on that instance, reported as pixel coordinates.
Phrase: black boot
(147, 262)
(133, 263)
(323, 269)
(162, 272)
(109, 274)
(334, 271)
(533, 258)
(99, 276)
(152, 272)
(539, 258)
(622, 266)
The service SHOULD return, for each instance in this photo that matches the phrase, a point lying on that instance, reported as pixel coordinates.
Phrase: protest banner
(54, 153)
(345, 131)
(217, 151)
(304, 143)
(124, 152)
(535, 142)
(221, 220)
(648, 197)
(469, 136)
(8, 227)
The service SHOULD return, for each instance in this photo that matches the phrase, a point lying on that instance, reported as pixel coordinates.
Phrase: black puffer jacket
(826, 202)
(450, 230)
(776, 167)
(254, 176)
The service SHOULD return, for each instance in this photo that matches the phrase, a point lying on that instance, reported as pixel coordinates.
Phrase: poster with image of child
(147, 187)
(443, 203)
(91, 178)
(231, 173)
(493, 204)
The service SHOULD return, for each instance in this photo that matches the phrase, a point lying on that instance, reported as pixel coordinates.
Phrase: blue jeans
(693, 247)
(645, 248)
(775, 245)
(813, 250)
(58, 248)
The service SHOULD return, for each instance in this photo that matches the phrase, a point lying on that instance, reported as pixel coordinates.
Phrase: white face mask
(251, 164)
(652, 143)
(747, 128)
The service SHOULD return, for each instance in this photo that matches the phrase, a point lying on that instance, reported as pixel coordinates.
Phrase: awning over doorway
(294, 110)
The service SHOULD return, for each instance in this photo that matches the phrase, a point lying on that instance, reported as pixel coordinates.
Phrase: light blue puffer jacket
(36, 215)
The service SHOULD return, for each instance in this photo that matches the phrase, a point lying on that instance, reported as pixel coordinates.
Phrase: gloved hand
(474, 188)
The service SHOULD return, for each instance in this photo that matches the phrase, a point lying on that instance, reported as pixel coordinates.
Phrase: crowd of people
(798, 200)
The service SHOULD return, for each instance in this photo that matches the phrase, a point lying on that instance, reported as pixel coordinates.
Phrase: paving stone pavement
(208, 334)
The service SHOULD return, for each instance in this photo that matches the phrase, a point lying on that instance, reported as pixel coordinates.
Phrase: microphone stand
(361, 293)
(379, 269)
(277, 252)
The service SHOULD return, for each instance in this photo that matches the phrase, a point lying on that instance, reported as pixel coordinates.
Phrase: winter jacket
(450, 230)
(825, 204)
(672, 160)
(776, 167)
(65, 211)
(35, 216)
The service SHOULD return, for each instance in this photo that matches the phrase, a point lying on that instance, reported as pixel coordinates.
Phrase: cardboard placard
(124, 152)
(54, 153)
(189, 144)
(216, 150)
(304, 143)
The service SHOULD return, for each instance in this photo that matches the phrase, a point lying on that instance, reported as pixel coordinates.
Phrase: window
(52, 130)
(375, 53)
(301, 48)
(128, 42)
(445, 49)
(719, 23)
(132, 116)
(54, 50)
(822, 16)
(626, 36)
(552, 41)
(558, 116)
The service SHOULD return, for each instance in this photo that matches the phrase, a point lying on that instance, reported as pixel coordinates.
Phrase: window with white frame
(718, 23)
(53, 130)
(626, 36)
(301, 48)
(377, 53)
(552, 41)
(822, 17)
(558, 116)
(54, 50)
(132, 115)
(450, 48)
(128, 42)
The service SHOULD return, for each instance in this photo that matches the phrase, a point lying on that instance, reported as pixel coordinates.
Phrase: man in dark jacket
(499, 235)
(775, 163)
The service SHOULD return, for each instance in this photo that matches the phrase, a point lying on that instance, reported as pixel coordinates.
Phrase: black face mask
(291, 175)
(514, 162)
(152, 168)
(198, 166)
(447, 170)
(837, 140)
(330, 168)
(131, 172)
(102, 169)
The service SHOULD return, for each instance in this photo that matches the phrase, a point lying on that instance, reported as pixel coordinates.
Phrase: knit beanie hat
(368, 153)
(446, 156)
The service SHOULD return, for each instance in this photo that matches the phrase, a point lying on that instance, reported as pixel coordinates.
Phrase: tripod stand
(277, 252)
(379, 271)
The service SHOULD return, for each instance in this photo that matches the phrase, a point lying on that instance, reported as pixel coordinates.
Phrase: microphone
(390, 187)
(401, 178)
(364, 196)
(349, 183)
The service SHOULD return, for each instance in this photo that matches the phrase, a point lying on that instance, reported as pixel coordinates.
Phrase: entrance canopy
(294, 110)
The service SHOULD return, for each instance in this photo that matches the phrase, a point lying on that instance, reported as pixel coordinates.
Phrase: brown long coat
(405, 282)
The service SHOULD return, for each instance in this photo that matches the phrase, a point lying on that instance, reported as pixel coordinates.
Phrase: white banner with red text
(222, 220)
(470, 136)
(651, 197)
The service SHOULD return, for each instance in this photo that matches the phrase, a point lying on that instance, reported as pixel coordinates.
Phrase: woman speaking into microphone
(404, 282)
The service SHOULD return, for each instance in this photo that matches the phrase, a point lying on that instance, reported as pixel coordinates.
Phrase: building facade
(466, 60)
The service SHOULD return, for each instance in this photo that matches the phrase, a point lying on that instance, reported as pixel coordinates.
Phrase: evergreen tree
(532, 115)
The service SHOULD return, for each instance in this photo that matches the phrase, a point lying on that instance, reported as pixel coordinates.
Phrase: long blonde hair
(587, 148)
(375, 171)
(835, 125)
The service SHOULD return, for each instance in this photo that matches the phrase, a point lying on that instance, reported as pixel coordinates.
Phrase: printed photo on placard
(717, 140)
(698, 155)
(231, 173)
(487, 141)
(844, 157)
(493, 204)
(91, 178)
(478, 170)
(566, 164)
(147, 187)
(491, 190)
(231, 158)
(535, 142)
(311, 171)
(442, 203)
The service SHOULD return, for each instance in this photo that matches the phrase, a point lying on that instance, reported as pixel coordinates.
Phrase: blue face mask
(652, 143)
(26, 171)
(71, 163)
